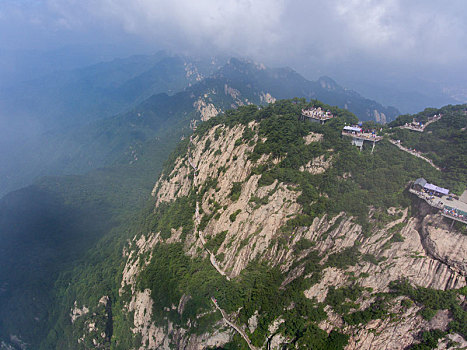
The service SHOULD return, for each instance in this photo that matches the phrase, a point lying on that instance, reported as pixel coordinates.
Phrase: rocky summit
(267, 231)
(236, 175)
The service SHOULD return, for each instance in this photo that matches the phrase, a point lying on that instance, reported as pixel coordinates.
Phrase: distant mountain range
(286, 83)
(63, 236)
(102, 90)
(99, 115)
(105, 89)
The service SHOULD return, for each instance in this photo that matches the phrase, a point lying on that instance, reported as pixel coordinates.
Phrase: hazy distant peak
(328, 83)
(240, 65)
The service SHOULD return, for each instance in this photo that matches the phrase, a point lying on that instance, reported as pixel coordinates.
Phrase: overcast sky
(347, 39)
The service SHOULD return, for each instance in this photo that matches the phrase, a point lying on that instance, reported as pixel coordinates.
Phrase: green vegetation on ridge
(444, 142)
(356, 179)
(355, 182)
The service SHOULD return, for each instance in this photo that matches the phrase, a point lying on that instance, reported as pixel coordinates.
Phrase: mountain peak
(328, 83)
(237, 198)
(243, 66)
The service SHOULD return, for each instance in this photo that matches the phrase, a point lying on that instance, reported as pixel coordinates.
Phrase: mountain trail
(414, 153)
(217, 267)
(233, 325)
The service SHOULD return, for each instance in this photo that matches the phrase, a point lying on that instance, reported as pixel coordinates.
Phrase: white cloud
(428, 30)
(284, 32)
(405, 30)
(368, 22)
(234, 25)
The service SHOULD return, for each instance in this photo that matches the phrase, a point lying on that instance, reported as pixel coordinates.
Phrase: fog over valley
(233, 174)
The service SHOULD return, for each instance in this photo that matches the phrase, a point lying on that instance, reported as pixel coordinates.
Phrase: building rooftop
(420, 181)
(352, 128)
(432, 187)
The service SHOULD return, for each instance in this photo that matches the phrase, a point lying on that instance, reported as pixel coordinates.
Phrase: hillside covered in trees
(444, 141)
(303, 241)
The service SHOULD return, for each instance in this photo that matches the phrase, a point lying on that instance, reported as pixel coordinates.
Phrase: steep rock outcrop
(240, 219)
(426, 254)
(443, 245)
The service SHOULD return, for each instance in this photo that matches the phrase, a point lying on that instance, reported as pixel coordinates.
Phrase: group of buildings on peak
(358, 134)
(419, 126)
(451, 206)
(317, 114)
(438, 197)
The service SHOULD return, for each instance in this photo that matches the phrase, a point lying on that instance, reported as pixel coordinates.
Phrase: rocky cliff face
(239, 220)
(251, 233)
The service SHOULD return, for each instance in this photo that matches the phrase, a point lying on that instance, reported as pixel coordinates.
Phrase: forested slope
(322, 244)
(444, 141)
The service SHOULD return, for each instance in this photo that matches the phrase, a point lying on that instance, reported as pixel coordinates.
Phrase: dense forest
(445, 141)
(375, 180)
(357, 182)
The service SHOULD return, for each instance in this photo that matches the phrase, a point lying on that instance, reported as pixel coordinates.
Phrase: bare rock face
(331, 277)
(266, 97)
(207, 110)
(234, 93)
(219, 154)
(154, 337)
(135, 259)
(253, 322)
(141, 305)
(77, 312)
(318, 165)
(249, 217)
(191, 72)
(93, 329)
(409, 259)
(394, 333)
(277, 341)
(313, 137)
(444, 245)
(250, 235)
(455, 338)
(379, 117)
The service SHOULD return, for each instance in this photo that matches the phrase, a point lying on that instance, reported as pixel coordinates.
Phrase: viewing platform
(455, 214)
(316, 114)
(430, 199)
(418, 126)
(359, 136)
(363, 136)
(440, 198)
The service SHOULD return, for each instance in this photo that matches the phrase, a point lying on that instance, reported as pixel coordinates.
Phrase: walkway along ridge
(416, 154)
(212, 257)
(433, 119)
(233, 325)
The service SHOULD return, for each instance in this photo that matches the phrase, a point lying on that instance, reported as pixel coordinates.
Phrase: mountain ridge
(101, 142)
(293, 215)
